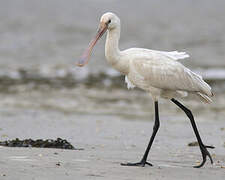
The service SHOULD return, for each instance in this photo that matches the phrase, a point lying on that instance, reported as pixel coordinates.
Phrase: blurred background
(40, 42)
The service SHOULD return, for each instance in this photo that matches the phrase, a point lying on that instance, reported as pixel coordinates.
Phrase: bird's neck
(112, 52)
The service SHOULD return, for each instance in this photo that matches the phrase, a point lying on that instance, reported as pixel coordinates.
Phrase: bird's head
(108, 21)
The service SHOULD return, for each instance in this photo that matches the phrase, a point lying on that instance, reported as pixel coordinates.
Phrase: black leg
(155, 129)
(203, 148)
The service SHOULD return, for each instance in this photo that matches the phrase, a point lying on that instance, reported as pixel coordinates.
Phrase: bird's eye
(109, 21)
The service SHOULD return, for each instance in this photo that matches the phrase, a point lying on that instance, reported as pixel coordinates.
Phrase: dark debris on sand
(48, 143)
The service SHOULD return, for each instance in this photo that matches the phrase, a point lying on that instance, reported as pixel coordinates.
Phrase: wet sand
(107, 135)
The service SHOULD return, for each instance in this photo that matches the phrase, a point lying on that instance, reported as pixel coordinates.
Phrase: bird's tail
(204, 98)
(205, 89)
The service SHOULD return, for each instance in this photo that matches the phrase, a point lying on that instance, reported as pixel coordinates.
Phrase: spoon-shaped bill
(86, 55)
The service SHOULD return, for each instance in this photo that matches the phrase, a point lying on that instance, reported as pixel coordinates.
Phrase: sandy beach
(108, 138)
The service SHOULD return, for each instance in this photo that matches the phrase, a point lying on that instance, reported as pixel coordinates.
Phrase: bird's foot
(205, 153)
(141, 164)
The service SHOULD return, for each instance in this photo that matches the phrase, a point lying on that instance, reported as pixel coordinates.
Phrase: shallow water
(117, 102)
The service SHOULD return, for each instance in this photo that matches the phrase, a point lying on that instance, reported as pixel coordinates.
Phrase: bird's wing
(175, 55)
(164, 73)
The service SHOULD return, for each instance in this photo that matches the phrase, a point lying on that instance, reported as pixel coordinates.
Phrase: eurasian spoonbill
(157, 72)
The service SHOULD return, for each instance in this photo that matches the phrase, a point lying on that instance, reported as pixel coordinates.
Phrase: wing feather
(175, 55)
(164, 73)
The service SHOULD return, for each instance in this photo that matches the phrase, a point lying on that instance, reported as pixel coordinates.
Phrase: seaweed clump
(39, 143)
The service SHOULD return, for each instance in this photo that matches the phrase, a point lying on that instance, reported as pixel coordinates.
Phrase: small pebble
(195, 143)
(58, 164)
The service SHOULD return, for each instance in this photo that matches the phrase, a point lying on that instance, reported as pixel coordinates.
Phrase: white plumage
(175, 55)
(130, 85)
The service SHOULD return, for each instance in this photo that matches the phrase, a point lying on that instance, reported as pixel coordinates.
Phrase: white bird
(159, 73)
